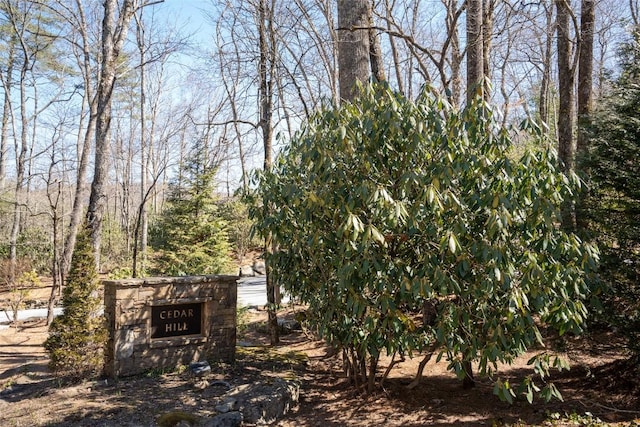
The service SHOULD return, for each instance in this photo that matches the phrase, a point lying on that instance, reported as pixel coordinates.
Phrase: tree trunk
(475, 87)
(353, 46)
(585, 91)
(475, 68)
(488, 8)
(455, 56)
(543, 106)
(566, 79)
(375, 51)
(394, 51)
(112, 40)
(266, 65)
(141, 228)
(585, 73)
(6, 113)
(566, 147)
(55, 224)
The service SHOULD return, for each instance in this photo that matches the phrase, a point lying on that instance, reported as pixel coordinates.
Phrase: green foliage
(191, 235)
(35, 244)
(575, 419)
(77, 337)
(235, 212)
(384, 205)
(115, 250)
(614, 205)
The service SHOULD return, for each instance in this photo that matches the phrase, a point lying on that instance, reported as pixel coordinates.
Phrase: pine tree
(615, 194)
(77, 337)
(191, 234)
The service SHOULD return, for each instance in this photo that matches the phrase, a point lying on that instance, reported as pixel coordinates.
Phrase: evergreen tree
(77, 337)
(615, 193)
(191, 234)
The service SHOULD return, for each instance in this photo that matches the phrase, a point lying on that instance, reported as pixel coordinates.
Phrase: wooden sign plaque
(176, 320)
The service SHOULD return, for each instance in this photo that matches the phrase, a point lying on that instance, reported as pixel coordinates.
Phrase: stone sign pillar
(164, 322)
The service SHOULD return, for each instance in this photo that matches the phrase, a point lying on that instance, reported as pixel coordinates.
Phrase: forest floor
(601, 388)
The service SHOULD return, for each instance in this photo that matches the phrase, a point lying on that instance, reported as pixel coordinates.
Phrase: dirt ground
(600, 389)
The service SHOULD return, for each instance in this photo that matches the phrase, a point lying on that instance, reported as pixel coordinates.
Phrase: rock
(264, 403)
(220, 383)
(177, 418)
(200, 368)
(230, 419)
(260, 268)
(228, 405)
(286, 326)
(247, 271)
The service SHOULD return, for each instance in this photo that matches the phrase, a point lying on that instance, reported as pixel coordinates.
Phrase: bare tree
(78, 38)
(30, 38)
(6, 79)
(567, 61)
(114, 31)
(266, 72)
(154, 49)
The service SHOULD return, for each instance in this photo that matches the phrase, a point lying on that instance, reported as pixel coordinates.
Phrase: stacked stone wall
(181, 305)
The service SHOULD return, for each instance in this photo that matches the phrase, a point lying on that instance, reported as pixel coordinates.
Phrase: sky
(190, 13)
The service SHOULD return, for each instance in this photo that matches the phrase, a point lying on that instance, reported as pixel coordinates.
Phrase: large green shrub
(77, 337)
(384, 208)
(614, 205)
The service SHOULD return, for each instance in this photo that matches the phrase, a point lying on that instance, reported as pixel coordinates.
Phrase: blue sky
(187, 12)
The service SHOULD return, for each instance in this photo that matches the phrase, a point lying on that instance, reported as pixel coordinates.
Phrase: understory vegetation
(406, 227)
(78, 336)
(614, 201)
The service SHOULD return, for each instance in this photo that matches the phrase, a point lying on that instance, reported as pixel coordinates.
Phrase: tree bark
(456, 56)
(488, 8)
(566, 111)
(475, 45)
(375, 51)
(585, 91)
(566, 147)
(585, 73)
(353, 46)
(543, 103)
